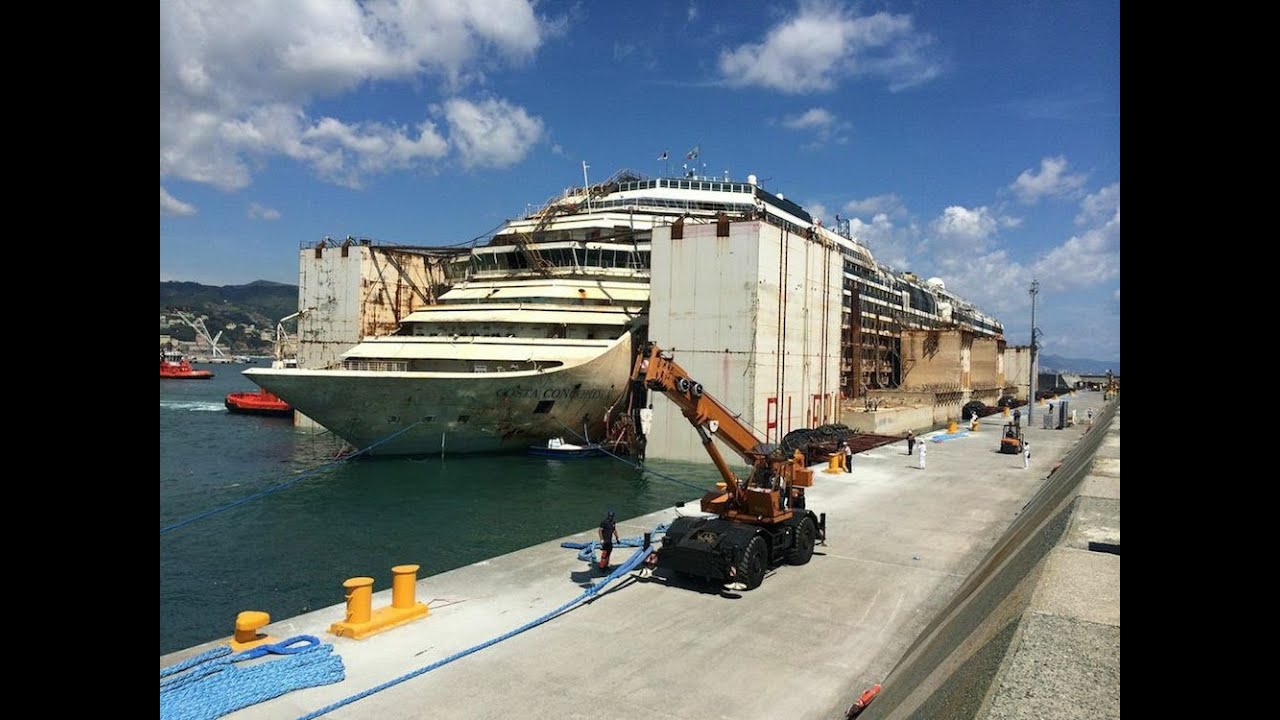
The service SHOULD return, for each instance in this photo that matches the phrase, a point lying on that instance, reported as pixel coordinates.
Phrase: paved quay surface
(1034, 631)
(803, 645)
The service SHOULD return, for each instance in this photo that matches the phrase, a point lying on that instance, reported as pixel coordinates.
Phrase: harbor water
(258, 515)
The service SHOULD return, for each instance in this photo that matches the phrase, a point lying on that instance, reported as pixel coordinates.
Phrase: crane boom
(745, 527)
(776, 482)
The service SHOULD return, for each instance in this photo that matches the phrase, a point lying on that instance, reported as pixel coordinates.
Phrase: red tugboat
(257, 403)
(174, 365)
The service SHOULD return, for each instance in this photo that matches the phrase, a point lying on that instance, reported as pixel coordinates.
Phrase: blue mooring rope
(587, 550)
(626, 567)
(211, 684)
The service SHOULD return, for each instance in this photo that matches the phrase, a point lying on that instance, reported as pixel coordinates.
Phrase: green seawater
(288, 551)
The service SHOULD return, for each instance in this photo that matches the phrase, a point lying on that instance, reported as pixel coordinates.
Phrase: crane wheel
(752, 566)
(802, 551)
(697, 390)
(682, 384)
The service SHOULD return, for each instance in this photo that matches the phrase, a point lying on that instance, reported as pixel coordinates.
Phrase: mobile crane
(746, 527)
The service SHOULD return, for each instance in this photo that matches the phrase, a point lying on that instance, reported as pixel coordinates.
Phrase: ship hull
(416, 413)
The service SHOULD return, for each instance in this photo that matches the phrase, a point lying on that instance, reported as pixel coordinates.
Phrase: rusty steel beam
(866, 441)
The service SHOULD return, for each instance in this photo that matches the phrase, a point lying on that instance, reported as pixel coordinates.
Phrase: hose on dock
(632, 563)
(213, 684)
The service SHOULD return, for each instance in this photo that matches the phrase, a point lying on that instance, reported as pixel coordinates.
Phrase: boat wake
(193, 405)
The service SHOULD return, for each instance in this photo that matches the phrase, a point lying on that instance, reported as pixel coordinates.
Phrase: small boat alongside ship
(260, 402)
(557, 448)
(175, 366)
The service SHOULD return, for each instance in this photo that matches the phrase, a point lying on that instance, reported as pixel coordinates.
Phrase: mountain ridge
(1057, 363)
(243, 313)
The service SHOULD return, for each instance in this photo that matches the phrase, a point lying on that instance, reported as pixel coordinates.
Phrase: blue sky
(977, 141)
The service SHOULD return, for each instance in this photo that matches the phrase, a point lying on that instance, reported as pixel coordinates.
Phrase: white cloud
(491, 133)
(1053, 181)
(890, 244)
(259, 212)
(825, 42)
(1099, 206)
(888, 204)
(963, 246)
(824, 126)
(962, 251)
(692, 13)
(237, 76)
(970, 228)
(812, 118)
(1072, 275)
(345, 153)
(170, 205)
(1086, 259)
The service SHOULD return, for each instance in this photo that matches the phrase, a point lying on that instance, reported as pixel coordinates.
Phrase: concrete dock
(891, 598)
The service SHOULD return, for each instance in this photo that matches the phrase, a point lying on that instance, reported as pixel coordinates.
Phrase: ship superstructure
(536, 330)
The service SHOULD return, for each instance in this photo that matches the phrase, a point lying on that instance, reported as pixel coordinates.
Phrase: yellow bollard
(404, 580)
(362, 621)
(835, 465)
(952, 426)
(359, 599)
(247, 625)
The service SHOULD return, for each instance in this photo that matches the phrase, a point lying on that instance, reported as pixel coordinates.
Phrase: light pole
(1031, 373)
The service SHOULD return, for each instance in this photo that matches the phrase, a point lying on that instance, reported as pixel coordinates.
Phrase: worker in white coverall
(1026, 455)
(923, 449)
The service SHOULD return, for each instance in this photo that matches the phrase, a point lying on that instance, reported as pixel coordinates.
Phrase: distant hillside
(1054, 363)
(259, 304)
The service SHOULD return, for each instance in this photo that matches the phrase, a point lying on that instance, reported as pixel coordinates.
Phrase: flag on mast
(664, 155)
(693, 154)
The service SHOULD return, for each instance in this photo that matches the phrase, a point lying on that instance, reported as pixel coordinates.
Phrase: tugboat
(175, 366)
(257, 403)
(262, 401)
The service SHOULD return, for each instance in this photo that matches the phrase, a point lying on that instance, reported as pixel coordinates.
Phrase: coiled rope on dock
(215, 682)
(631, 563)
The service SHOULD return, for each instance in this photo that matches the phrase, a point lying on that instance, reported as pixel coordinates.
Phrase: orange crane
(747, 527)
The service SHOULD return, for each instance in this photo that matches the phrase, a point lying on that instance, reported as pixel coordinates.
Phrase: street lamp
(1031, 373)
